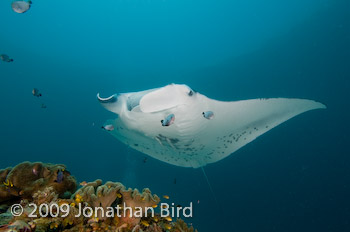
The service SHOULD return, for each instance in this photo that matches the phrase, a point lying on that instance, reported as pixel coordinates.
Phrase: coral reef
(134, 199)
(98, 195)
(114, 193)
(113, 207)
(22, 181)
(181, 226)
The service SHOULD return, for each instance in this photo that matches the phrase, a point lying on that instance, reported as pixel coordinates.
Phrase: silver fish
(168, 120)
(208, 114)
(5, 58)
(20, 6)
(108, 127)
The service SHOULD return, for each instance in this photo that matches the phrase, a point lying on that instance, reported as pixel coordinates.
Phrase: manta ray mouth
(117, 102)
(133, 100)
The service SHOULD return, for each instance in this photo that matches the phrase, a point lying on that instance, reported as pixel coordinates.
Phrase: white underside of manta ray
(193, 140)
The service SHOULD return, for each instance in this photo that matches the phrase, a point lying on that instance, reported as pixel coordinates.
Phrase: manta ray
(182, 127)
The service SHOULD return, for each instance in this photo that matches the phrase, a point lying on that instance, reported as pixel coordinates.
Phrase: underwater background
(294, 178)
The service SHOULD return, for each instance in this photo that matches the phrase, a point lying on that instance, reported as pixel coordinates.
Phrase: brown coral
(154, 228)
(134, 199)
(98, 195)
(46, 195)
(22, 181)
(181, 226)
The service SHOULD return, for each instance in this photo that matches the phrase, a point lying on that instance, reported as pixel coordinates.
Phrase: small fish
(83, 183)
(208, 114)
(52, 226)
(21, 6)
(168, 218)
(119, 195)
(62, 202)
(59, 178)
(78, 196)
(145, 223)
(164, 206)
(167, 226)
(166, 197)
(93, 220)
(168, 120)
(109, 127)
(198, 202)
(5, 58)
(8, 183)
(145, 160)
(36, 93)
(178, 206)
(43, 106)
(154, 206)
(35, 171)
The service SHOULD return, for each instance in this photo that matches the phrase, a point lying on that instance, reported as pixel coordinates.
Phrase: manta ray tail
(229, 225)
(211, 189)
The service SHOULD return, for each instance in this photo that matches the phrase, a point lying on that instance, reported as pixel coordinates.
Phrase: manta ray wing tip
(320, 105)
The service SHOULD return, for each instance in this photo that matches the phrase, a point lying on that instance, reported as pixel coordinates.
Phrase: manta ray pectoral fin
(239, 123)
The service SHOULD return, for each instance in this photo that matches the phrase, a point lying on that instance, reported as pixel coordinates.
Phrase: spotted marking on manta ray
(188, 153)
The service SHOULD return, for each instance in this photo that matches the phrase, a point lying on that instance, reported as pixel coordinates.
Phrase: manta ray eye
(190, 93)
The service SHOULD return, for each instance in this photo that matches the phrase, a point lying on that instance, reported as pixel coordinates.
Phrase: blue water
(294, 178)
